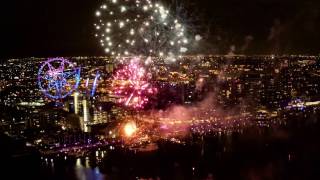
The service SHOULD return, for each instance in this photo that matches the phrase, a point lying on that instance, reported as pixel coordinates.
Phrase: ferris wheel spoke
(46, 77)
(58, 90)
(61, 67)
(67, 75)
(65, 85)
(51, 85)
(51, 68)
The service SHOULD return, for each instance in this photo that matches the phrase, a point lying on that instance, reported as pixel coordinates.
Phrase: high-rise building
(85, 119)
(76, 102)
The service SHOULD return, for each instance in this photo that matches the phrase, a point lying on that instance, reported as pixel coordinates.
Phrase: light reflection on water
(85, 172)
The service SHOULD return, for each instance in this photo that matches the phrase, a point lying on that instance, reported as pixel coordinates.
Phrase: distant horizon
(217, 55)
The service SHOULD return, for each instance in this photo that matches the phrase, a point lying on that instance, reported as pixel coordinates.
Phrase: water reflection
(85, 172)
(254, 154)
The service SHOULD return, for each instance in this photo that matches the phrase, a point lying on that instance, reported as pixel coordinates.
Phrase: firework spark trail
(140, 28)
(131, 85)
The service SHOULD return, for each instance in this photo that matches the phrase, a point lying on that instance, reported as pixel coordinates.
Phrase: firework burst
(131, 85)
(140, 28)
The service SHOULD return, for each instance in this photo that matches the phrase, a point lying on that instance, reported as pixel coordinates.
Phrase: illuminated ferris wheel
(58, 78)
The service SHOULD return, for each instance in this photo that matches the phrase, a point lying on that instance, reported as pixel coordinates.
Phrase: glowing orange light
(130, 128)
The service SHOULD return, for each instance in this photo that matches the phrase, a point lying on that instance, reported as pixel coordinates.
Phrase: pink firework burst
(131, 85)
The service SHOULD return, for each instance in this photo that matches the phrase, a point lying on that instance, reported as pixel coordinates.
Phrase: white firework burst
(140, 28)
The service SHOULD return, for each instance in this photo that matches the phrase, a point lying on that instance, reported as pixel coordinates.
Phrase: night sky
(65, 27)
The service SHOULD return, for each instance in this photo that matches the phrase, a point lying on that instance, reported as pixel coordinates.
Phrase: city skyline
(206, 109)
